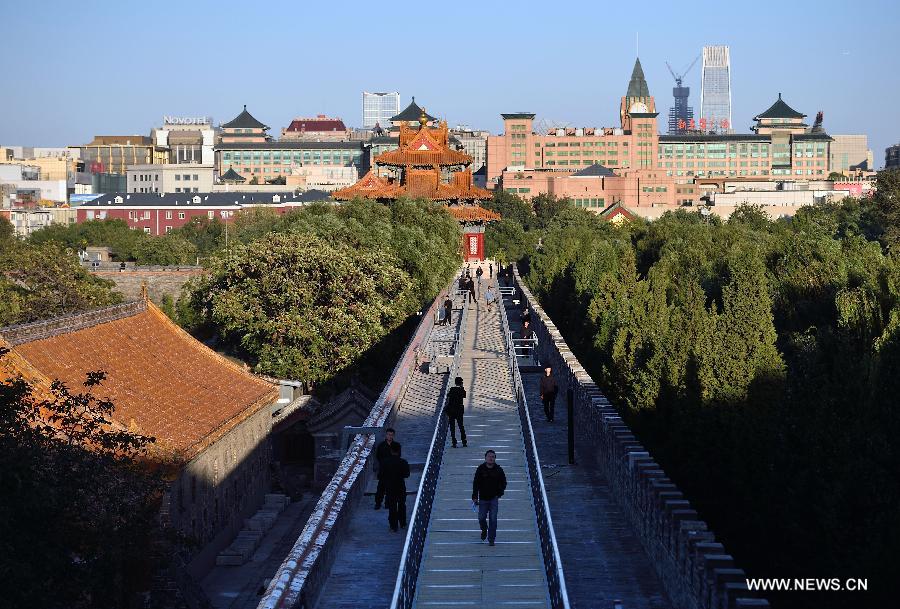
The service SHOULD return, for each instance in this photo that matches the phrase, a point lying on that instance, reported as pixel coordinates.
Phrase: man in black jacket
(487, 488)
(549, 390)
(448, 310)
(394, 472)
(455, 409)
(382, 452)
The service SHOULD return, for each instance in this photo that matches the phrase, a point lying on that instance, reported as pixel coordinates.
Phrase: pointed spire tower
(637, 100)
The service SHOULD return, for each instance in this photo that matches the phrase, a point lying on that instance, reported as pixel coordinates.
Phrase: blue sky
(71, 70)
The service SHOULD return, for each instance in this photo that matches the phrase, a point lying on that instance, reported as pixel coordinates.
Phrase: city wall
(159, 280)
(695, 569)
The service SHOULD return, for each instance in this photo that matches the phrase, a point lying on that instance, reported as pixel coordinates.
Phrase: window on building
(168, 215)
(168, 229)
(181, 215)
(147, 229)
(177, 177)
(210, 214)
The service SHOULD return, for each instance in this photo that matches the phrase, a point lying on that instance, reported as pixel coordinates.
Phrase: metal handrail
(556, 581)
(410, 560)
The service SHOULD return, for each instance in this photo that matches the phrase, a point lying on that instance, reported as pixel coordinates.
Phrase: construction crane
(680, 77)
(681, 115)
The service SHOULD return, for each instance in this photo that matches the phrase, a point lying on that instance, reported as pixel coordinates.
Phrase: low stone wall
(694, 568)
(302, 574)
(159, 280)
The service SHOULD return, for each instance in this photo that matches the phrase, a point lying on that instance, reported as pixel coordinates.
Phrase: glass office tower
(379, 108)
(715, 90)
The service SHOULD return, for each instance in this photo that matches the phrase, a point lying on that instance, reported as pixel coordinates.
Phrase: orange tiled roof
(370, 186)
(423, 147)
(472, 213)
(162, 381)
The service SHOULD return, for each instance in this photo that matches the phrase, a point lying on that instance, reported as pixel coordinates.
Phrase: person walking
(470, 283)
(478, 274)
(549, 389)
(395, 471)
(456, 409)
(448, 310)
(382, 452)
(488, 486)
(527, 333)
(490, 270)
(525, 315)
(462, 282)
(489, 297)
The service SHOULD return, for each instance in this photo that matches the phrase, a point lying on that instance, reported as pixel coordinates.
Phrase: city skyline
(56, 101)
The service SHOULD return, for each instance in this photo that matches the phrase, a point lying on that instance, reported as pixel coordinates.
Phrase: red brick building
(158, 214)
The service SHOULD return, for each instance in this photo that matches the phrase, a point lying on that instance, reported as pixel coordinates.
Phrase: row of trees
(757, 359)
(127, 244)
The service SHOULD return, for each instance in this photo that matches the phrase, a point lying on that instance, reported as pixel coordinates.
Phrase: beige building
(49, 167)
(849, 153)
(170, 178)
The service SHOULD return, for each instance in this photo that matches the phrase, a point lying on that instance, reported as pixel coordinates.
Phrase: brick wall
(159, 281)
(695, 569)
(220, 487)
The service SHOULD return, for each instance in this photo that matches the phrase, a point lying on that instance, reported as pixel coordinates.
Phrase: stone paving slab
(458, 569)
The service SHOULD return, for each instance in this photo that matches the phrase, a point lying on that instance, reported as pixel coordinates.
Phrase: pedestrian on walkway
(456, 407)
(525, 315)
(489, 297)
(487, 488)
(470, 283)
(490, 270)
(462, 282)
(527, 333)
(549, 389)
(382, 452)
(448, 309)
(478, 274)
(394, 473)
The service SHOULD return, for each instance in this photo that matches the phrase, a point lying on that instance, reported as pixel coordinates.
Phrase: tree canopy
(755, 358)
(305, 294)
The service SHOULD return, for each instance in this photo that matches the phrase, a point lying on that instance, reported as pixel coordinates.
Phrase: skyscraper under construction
(681, 115)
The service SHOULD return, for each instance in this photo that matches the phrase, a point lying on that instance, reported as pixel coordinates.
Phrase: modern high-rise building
(715, 90)
(892, 157)
(379, 108)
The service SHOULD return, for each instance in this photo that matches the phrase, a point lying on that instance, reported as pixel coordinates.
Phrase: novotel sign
(187, 120)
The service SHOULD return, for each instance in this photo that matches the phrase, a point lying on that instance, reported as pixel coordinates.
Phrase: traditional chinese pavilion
(427, 167)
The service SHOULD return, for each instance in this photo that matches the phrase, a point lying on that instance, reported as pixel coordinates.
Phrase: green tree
(47, 280)
(546, 206)
(511, 207)
(303, 307)
(170, 250)
(114, 234)
(7, 232)
(78, 521)
(887, 202)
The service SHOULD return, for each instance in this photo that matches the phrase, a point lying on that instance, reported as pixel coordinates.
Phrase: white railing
(411, 559)
(556, 581)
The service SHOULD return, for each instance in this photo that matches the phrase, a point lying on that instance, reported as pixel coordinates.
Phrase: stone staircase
(242, 548)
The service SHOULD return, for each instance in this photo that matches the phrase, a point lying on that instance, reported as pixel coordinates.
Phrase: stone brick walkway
(458, 569)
